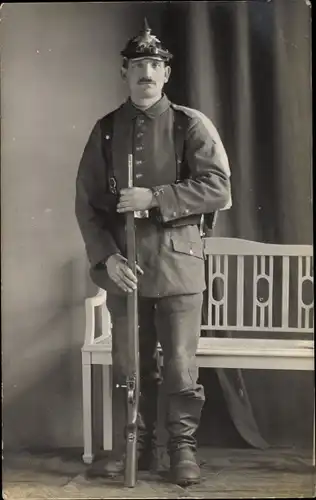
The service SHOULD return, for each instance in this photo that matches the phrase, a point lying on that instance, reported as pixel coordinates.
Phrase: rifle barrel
(133, 347)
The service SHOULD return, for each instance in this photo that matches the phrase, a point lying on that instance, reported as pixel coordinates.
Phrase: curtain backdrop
(247, 66)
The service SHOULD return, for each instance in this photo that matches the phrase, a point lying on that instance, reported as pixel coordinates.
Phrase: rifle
(133, 375)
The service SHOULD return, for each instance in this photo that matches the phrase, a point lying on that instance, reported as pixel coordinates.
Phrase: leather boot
(146, 439)
(146, 450)
(183, 420)
(184, 469)
(146, 424)
(146, 461)
(146, 447)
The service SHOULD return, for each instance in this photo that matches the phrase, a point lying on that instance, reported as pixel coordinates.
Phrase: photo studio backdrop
(244, 64)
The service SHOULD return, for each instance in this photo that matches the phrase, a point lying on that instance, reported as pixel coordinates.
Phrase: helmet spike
(146, 26)
(145, 45)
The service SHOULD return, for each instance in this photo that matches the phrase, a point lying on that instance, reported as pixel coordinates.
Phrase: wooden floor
(226, 473)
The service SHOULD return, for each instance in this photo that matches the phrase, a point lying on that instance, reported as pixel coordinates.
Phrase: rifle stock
(133, 376)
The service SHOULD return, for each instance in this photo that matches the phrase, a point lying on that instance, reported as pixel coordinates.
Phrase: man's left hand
(136, 198)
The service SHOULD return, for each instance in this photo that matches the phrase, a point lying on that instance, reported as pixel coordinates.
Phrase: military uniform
(169, 245)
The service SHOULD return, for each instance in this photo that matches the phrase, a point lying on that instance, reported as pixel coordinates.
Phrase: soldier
(181, 171)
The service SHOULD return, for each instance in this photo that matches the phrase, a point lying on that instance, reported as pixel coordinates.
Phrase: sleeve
(93, 224)
(208, 188)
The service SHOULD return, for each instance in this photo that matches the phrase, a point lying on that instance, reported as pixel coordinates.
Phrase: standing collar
(131, 111)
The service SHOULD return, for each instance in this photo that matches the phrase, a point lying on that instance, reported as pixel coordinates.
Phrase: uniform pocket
(194, 248)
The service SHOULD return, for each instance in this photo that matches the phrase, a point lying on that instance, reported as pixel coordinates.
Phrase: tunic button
(186, 211)
(139, 148)
(174, 214)
(191, 251)
(140, 134)
(138, 162)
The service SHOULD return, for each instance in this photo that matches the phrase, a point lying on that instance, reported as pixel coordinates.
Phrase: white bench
(241, 266)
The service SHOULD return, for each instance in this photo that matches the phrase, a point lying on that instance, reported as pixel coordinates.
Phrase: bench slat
(254, 354)
(237, 246)
(209, 346)
(234, 328)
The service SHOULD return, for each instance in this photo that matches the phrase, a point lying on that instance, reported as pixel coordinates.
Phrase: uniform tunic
(171, 257)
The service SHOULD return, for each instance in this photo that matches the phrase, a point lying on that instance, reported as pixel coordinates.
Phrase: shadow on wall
(42, 406)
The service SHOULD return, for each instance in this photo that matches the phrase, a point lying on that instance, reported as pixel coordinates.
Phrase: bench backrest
(254, 286)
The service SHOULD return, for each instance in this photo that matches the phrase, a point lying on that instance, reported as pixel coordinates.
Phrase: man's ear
(123, 73)
(167, 73)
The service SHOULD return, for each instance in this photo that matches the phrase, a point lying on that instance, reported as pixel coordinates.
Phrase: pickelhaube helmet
(145, 45)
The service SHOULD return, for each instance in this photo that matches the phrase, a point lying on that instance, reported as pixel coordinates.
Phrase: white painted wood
(98, 299)
(240, 291)
(285, 291)
(90, 304)
(225, 291)
(237, 246)
(102, 357)
(87, 410)
(270, 300)
(254, 347)
(242, 360)
(215, 352)
(210, 290)
(211, 346)
(265, 329)
(308, 267)
(246, 362)
(255, 291)
(300, 304)
(106, 321)
(90, 322)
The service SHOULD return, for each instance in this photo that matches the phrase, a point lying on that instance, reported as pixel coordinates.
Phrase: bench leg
(107, 406)
(87, 456)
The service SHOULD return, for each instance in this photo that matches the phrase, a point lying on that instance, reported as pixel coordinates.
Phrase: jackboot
(184, 469)
(146, 423)
(182, 422)
(146, 452)
(146, 439)
(146, 460)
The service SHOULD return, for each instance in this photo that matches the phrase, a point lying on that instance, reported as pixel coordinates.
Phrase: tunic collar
(130, 111)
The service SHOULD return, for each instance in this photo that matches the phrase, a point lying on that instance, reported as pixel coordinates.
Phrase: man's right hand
(121, 274)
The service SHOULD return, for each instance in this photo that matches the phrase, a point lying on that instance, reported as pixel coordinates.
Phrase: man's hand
(121, 274)
(136, 198)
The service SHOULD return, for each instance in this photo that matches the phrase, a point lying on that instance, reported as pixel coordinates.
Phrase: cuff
(168, 204)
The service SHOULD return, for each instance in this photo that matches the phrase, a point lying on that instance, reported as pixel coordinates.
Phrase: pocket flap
(193, 248)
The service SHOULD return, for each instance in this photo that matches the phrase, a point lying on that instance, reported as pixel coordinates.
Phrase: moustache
(145, 80)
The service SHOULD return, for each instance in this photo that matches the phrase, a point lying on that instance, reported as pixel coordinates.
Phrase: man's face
(146, 77)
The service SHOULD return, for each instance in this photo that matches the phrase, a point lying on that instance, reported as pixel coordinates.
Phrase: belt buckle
(141, 214)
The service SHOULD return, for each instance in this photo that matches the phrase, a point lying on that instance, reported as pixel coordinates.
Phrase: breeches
(174, 322)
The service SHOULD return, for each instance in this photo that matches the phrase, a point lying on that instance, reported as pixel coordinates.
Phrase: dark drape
(246, 65)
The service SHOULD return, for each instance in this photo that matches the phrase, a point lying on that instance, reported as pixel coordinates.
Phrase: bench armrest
(90, 304)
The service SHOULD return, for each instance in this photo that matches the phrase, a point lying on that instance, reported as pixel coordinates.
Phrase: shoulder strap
(107, 125)
(180, 125)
